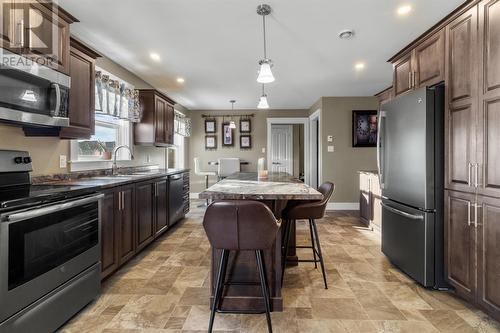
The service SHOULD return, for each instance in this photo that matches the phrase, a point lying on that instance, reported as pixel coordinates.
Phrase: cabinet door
(461, 102)
(12, 35)
(364, 198)
(169, 124)
(81, 97)
(47, 37)
(488, 253)
(402, 78)
(161, 206)
(127, 224)
(145, 213)
(489, 99)
(460, 242)
(160, 118)
(109, 233)
(429, 61)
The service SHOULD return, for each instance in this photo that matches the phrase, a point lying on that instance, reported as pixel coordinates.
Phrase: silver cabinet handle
(400, 212)
(468, 214)
(414, 80)
(123, 200)
(469, 171)
(476, 207)
(20, 34)
(476, 175)
(120, 200)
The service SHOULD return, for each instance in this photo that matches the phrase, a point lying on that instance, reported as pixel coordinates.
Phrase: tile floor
(165, 289)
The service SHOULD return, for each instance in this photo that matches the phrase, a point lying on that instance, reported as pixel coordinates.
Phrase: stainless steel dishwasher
(175, 198)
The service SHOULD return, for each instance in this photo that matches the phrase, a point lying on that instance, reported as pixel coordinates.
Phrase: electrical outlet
(331, 149)
(62, 161)
(263, 150)
(329, 138)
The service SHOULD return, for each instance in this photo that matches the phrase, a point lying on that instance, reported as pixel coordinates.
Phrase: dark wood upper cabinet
(488, 252)
(429, 61)
(385, 95)
(81, 111)
(39, 30)
(460, 242)
(145, 213)
(488, 132)
(402, 75)
(157, 124)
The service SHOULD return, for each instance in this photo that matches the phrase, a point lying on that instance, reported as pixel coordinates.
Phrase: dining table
(242, 290)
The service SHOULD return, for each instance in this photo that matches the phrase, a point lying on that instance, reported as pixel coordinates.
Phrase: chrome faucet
(114, 169)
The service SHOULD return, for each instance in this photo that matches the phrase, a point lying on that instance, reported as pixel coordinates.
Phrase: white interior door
(313, 141)
(281, 148)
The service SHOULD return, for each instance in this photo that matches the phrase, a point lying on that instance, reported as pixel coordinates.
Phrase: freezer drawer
(408, 240)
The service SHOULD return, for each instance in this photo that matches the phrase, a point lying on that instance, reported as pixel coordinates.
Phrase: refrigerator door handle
(400, 212)
(381, 115)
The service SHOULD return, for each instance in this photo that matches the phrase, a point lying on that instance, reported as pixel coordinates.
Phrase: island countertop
(246, 185)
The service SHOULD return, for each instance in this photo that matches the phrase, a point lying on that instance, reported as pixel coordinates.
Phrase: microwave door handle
(382, 115)
(57, 108)
(24, 215)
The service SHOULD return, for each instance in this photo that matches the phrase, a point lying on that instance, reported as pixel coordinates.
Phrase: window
(110, 132)
(176, 153)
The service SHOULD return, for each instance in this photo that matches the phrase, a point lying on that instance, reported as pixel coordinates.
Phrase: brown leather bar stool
(240, 225)
(307, 211)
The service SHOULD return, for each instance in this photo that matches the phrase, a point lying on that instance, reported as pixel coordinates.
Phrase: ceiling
(215, 45)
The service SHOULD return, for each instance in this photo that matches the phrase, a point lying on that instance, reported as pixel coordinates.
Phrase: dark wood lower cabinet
(109, 234)
(126, 221)
(145, 213)
(161, 203)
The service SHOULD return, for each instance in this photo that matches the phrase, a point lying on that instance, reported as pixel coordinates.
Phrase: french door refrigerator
(410, 155)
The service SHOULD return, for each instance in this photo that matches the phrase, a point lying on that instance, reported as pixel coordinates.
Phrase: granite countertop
(246, 185)
(108, 181)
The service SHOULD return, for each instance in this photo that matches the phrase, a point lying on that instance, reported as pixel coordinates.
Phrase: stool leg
(206, 185)
(265, 291)
(312, 243)
(313, 222)
(287, 241)
(218, 288)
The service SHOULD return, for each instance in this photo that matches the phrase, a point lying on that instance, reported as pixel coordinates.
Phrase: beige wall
(46, 151)
(259, 140)
(341, 166)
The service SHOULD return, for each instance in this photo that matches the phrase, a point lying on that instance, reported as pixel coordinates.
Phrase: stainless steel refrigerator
(410, 153)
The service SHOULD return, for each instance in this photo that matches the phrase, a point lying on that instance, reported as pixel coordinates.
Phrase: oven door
(43, 247)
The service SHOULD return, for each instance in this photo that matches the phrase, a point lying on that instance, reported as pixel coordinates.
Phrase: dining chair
(228, 166)
(203, 173)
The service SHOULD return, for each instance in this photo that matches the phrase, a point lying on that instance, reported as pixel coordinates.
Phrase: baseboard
(342, 206)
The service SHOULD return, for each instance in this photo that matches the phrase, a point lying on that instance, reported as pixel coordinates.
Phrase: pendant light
(263, 100)
(232, 124)
(265, 73)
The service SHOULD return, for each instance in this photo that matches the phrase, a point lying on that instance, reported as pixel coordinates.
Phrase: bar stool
(228, 166)
(239, 225)
(310, 211)
(206, 174)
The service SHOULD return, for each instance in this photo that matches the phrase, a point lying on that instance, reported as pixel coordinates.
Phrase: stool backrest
(228, 166)
(197, 169)
(240, 225)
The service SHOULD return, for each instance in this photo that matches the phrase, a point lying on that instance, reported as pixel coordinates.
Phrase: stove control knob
(18, 160)
(27, 160)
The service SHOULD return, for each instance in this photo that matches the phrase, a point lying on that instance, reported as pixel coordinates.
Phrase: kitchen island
(275, 191)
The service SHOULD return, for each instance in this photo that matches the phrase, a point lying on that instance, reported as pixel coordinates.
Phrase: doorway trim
(290, 121)
(316, 115)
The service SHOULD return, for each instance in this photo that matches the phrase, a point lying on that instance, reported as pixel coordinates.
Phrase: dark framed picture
(245, 126)
(227, 134)
(210, 142)
(364, 128)
(245, 141)
(210, 126)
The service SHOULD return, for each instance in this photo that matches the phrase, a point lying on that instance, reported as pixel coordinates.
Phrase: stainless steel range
(49, 249)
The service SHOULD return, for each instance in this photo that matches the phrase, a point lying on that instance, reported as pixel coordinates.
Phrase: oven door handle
(27, 214)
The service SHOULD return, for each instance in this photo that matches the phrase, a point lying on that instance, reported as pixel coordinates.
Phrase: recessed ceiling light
(155, 56)
(404, 9)
(346, 34)
(180, 80)
(359, 66)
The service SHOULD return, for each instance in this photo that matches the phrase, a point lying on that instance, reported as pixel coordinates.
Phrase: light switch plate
(331, 149)
(329, 138)
(263, 150)
(62, 161)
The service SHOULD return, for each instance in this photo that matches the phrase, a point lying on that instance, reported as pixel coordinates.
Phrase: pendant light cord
(264, 29)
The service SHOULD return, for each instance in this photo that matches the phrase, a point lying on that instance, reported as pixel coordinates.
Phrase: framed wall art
(245, 141)
(210, 125)
(245, 126)
(227, 134)
(364, 128)
(210, 142)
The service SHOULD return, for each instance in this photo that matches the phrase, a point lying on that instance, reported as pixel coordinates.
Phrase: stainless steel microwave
(31, 93)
